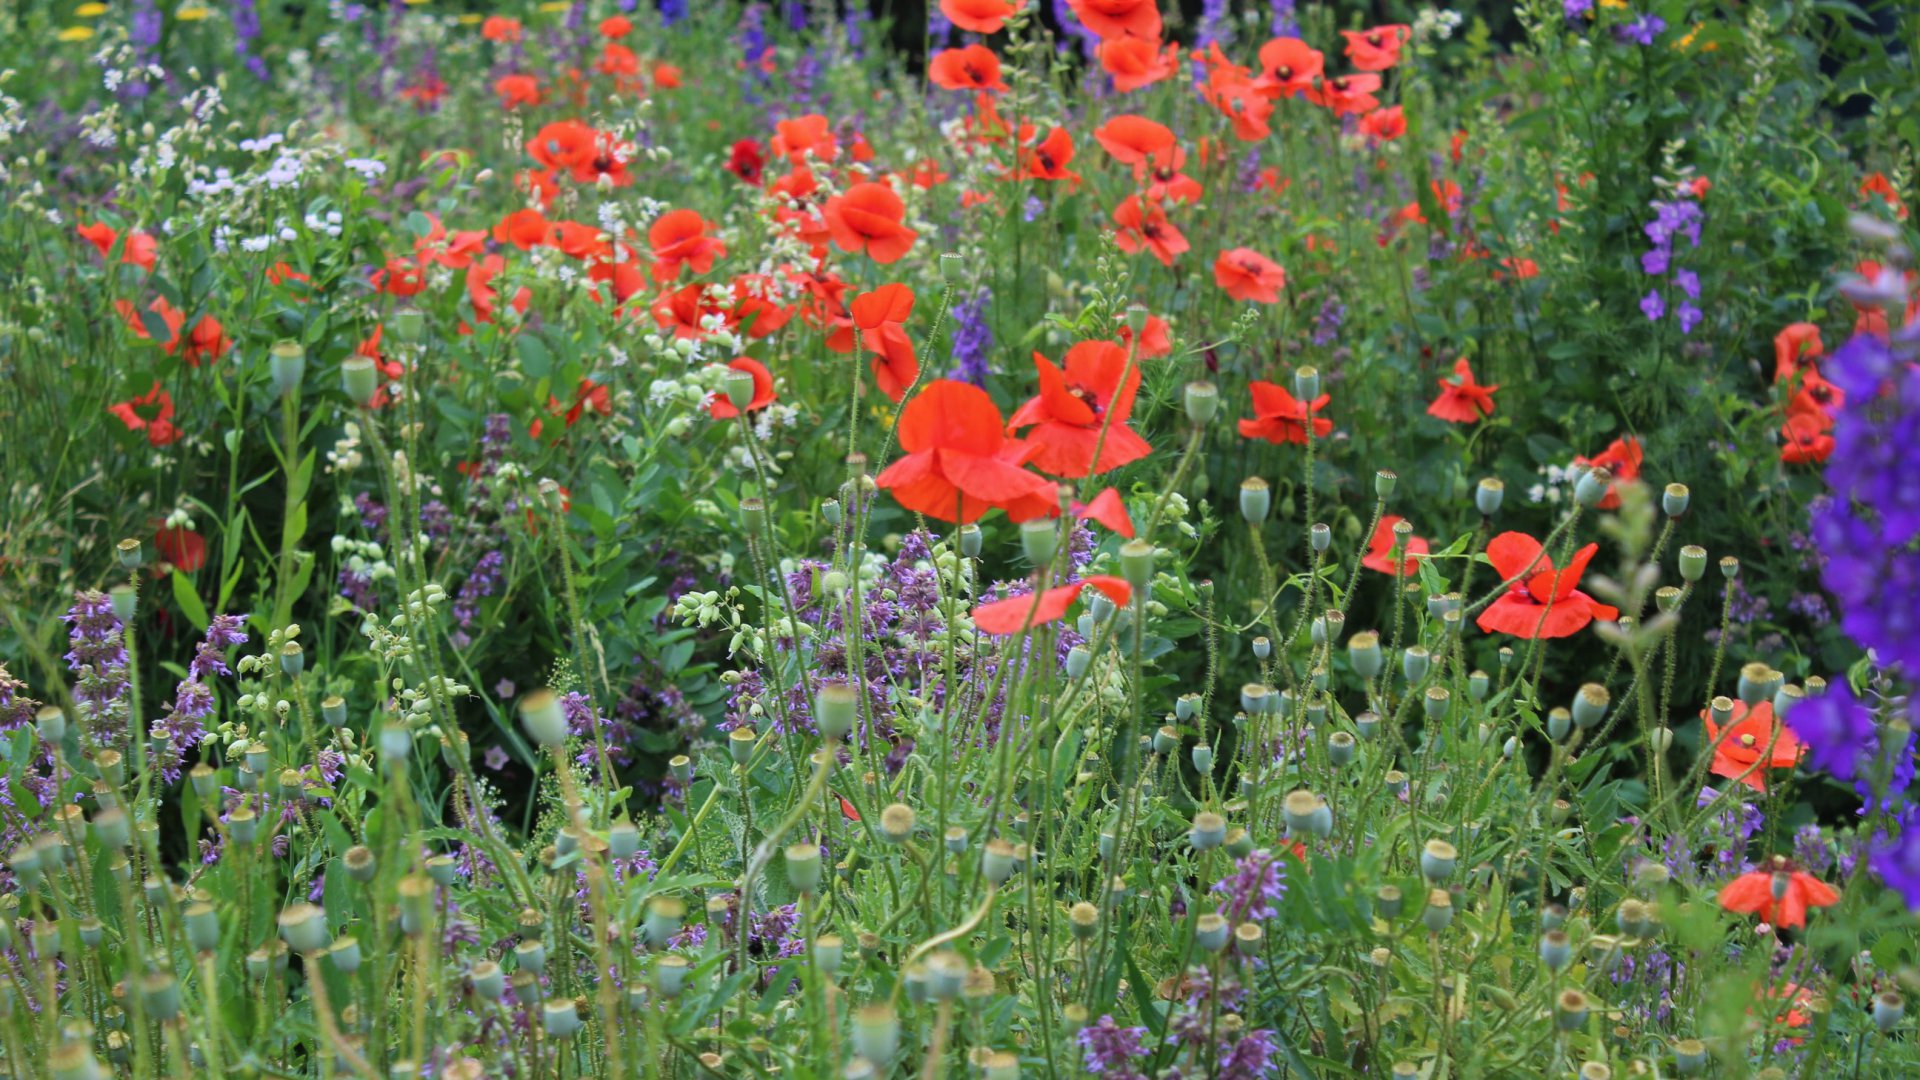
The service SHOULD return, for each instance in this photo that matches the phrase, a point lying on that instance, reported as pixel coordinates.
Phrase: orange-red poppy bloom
(181, 547)
(1752, 742)
(1777, 892)
(1377, 49)
(524, 229)
(1016, 613)
(616, 26)
(803, 135)
(171, 319)
(1247, 275)
(1379, 554)
(679, 239)
(1145, 227)
(684, 311)
(1288, 68)
(1622, 458)
(1109, 509)
(1048, 159)
(1135, 140)
(515, 90)
(1135, 62)
(720, 408)
(1345, 94)
(141, 250)
(563, 144)
(1878, 186)
(959, 462)
(1542, 602)
(1797, 342)
(1806, 438)
(979, 16)
(1384, 125)
(869, 217)
(881, 316)
(1116, 18)
(1165, 180)
(972, 67)
(1462, 400)
(207, 341)
(151, 412)
(1088, 399)
(1156, 338)
(1279, 417)
(500, 28)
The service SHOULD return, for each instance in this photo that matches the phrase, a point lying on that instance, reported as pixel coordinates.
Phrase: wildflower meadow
(1144, 539)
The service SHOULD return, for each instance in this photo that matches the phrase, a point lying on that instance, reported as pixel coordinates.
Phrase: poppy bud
(1592, 486)
(1367, 724)
(833, 710)
(1383, 484)
(1306, 384)
(286, 366)
(1437, 860)
(1202, 402)
(1439, 911)
(489, 982)
(1689, 1056)
(971, 540)
(1040, 539)
(737, 385)
(1435, 702)
(1364, 655)
(561, 1018)
(876, 1034)
(1340, 748)
(1675, 500)
(1510, 747)
(1570, 1009)
(1729, 567)
(1256, 500)
(129, 554)
(1888, 1008)
(1556, 949)
(1559, 722)
(359, 379)
(1590, 705)
(1136, 564)
(1662, 739)
(740, 744)
(1209, 831)
(1203, 759)
(1413, 663)
(543, 719)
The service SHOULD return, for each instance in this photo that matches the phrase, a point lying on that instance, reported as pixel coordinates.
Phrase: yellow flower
(76, 33)
(417, 3)
(1613, 3)
(470, 19)
(552, 6)
(192, 13)
(90, 11)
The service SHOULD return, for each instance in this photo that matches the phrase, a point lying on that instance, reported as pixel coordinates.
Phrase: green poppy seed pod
(1756, 683)
(876, 1034)
(1256, 500)
(1166, 739)
(1720, 709)
(91, 932)
(1202, 401)
(160, 995)
(1592, 486)
(1559, 723)
(526, 988)
(953, 268)
(1083, 919)
(1186, 706)
(1384, 482)
(1437, 860)
(999, 1065)
(737, 385)
(1137, 315)
(345, 955)
(834, 707)
(1298, 809)
(359, 379)
(1553, 917)
(543, 719)
(1478, 684)
(409, 325)
(740, 744)
(1785, 698)
(1306, 383)
(1693, 562)
(1364, 655)
(129, 553)
(1556, 949)
(256, 756)
(1570, 1009)
(670, 975)
(833, 514)
(51, 723)
(1729, 567)
(1413, 663)
(1079, 659)
(1247, 938)
(1203, 759)
(416, 903)
(665, 915)
(623, 840)
(1675, 500)
(1667, 598)
(1662, 739)
(1689, 1056)
(1239, 842)
(1816, 685)
(803, 867)
(1367, 725)
(204, 779)
(1209, 831)
(286, 366)
(1590, 705)
(489, 982)
(996, 861)
(1040, 540)
(1255, 698)
(530, 955)
(443, 869)
(293, 658)
(243, 827)
(1435, 702)
(111, 827)
(1438, 914)
(304, 928)
(1320, 536)
(829, 951)
(955, 839)
(1396, 782)
(753, 516)
(1405, 1070)
(1136, 565)
(396, 742)
(1598, 1070)
(125, 602)
(1211, 932)
(1436, 605)
(1340, 748)
(946, 974)
(1488, 495)
(333, 710)
(561, 1018)
(74, 1061)
(1510, 747)
(46, 940)
(1262, 647)
(1888, 1008)
(359, 863)
(971, 540)
(203, 927)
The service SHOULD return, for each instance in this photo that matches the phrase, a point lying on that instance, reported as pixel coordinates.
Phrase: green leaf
(188, 598)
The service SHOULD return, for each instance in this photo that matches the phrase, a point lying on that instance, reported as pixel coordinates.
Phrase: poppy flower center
(1373, 40)
(1747, 741)
(1087, 398)
(1284, 71)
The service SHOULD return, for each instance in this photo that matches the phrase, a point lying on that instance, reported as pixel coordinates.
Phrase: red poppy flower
(1135, 62)
(564, 144)
(524, 229)
(500, 28)
(402, 277)
(170, 317)
(1543, 602)
(1622, 458)
(1156, 339)
(1016, 613)
(1279, 417)
(679, 239)
(1288, 68)
(881, 316)
(756, 307)
(803, 135)
(1520, 269)
(1247, 275)
(720, 408)
(1117, 18)
(1164, 179)
(846, 808)
(1746, 738)
(151, 412)
(1379, 554)
(747, 161)
(142, 250)
(959, 462)
(1805, 438)
(973, 67)
(1878, 186)
(1377, 49)
(616, 26)
(979, 16)
(1754, 893)
(579, 241)
(1814, 394)
(606, 164)
(280, 274)
(1092, 394)
(1237, 98)
(1345, 94)
(483, 296)
(1384, 125)
(1109, 509)
(870, 218)
(183, 548)
(592, 397)
(684, 311)
(1145, 227)
(1048, 160)
(515, 90)
(1461, 400)
(1135, 140)
(207, 341)
(1799, 341)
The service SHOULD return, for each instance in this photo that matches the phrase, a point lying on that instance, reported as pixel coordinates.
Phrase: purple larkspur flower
(1653, 305)
(1258, 882)
(1641, 30)
(972, 338)
(1838, 730)
(1112, 1051)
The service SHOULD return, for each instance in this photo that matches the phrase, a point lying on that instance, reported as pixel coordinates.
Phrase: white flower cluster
(363, 557)
(1436, 24)
(1556, 478)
